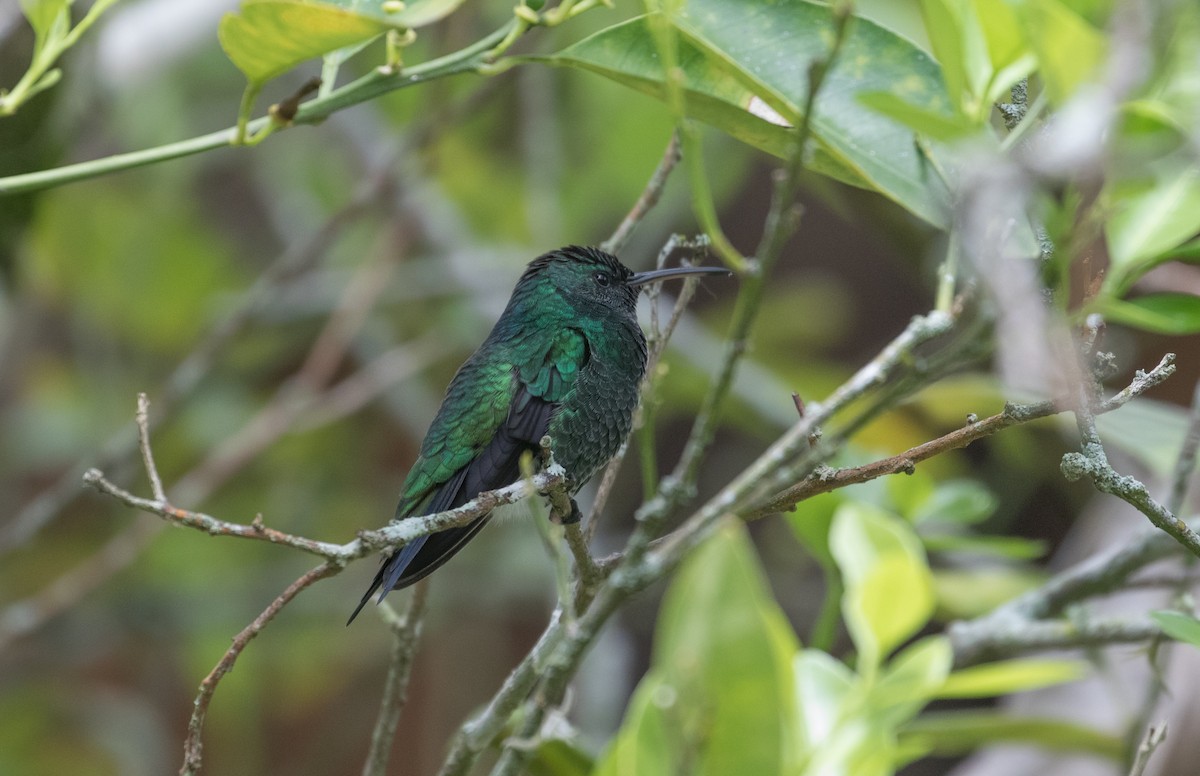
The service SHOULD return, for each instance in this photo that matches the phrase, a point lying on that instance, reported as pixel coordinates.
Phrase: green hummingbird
(566, 359)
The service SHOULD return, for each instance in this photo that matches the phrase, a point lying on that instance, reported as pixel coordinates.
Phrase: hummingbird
(565, 359)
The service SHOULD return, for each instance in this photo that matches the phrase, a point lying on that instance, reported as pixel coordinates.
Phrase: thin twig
(143, 425)
(1075, 466)
(1155, 735)
(1019, 637)
(193, 746)
(825, 480)
(1185, 464)
(406, 630)
(387, 538)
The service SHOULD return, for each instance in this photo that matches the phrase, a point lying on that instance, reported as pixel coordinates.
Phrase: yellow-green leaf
(888, 588)
(1179, 626)
(725, 648)
(266, 38)
(1009, 676)
(1068, 48)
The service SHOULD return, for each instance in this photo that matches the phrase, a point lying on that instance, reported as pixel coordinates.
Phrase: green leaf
(888, 588)
(269, 37)
(558, 757)
(966, 502)
(1012, 547)
(1008, 51)
(1166, 313)
(1179, 626)
(955, 733)
(960, 48)
(749, 34)
(910, 681)
(642, 745)
(838, 737)
(626, 53)
(1151, 218)
(724, 647)
(47, 17)
(932, 124)
(981, 48)
(944, 26)
(729, 56)
(1068, 48)
(824, 685)
(1009, 676)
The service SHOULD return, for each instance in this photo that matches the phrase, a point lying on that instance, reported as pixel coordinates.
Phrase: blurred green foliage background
(360, 262)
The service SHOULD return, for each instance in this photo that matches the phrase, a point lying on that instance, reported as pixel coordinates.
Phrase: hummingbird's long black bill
(641, 278)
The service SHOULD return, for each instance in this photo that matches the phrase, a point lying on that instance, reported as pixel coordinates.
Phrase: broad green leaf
(960, 48)
(1009, 676)
(266, 38)
(1189, 251)
(1179, 626)
(1012, 547)
(626, 53)
(47, 16)
(749, 34)
(557, 757)
(932, 124)
(910, 681)
(888, 588)
(824, 685)
(729, 56)
(1166, 313)
(953, 733)
(1150, 219)
(725, 647)
(982, 51)
(958, 501)
(1068, 48)
(642, 747)
(944, 26)
(1008, 51)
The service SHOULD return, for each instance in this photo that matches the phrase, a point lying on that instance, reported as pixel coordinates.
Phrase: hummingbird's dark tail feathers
(418, 559)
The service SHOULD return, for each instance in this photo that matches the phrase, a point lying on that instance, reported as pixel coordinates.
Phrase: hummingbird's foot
(575, 515)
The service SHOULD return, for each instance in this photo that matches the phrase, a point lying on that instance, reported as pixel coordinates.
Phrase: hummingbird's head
(592, 281)
(588, 279)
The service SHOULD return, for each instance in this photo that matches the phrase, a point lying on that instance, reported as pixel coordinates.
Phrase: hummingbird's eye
(601, 278)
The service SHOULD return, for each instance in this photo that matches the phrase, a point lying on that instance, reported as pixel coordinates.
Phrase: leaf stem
(361, 90)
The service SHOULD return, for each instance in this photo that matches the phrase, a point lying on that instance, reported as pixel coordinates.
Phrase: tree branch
(388, 538)
(193, 747)
(825, 480)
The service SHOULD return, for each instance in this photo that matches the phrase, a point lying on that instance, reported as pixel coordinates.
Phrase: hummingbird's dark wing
(493, 413)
